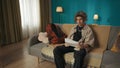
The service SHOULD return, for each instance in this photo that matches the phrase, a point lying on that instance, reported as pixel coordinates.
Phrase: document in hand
(71, 42)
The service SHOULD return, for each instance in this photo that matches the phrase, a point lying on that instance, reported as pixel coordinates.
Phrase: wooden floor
(16, 56)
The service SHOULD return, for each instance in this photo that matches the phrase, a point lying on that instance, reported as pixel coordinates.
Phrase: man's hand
(86, 45)
(78, 47)
(67, 44)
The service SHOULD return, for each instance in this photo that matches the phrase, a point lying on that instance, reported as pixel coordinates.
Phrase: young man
(81, 33)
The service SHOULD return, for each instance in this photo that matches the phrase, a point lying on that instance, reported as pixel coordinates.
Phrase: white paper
(71, 42)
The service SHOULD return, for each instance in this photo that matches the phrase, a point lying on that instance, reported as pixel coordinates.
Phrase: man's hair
(81, 14)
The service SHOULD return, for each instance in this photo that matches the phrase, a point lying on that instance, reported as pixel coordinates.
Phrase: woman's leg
(79, 58)
(59, 52)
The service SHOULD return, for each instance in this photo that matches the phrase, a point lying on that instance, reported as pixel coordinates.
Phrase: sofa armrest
(33, 40)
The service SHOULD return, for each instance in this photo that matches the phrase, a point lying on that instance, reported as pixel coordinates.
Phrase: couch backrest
(101, 34)
(67, 28)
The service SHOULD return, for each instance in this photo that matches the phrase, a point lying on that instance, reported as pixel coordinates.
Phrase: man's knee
(56, 50)
(80, 53)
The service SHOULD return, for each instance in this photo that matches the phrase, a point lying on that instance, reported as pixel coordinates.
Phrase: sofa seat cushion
(48, 53)
(114, 65)
(110, 57)
(92, 59)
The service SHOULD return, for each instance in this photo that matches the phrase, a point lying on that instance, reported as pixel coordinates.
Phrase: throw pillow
(43, 37)
(55, 34)
(116, 45)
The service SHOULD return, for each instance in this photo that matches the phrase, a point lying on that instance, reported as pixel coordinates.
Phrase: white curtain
(30, 16)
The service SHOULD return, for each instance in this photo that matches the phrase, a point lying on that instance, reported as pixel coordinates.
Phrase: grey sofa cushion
(113, 35)
(114, 65)
(109, 58)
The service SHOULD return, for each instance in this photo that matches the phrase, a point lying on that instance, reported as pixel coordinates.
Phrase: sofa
(110, 58)
(96, 58)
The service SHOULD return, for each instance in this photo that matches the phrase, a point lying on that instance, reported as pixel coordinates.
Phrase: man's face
(80, 21)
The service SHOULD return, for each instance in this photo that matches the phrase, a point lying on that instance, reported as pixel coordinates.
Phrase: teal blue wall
(108, 11)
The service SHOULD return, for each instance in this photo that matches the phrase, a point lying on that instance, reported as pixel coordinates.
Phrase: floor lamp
(59, 10)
